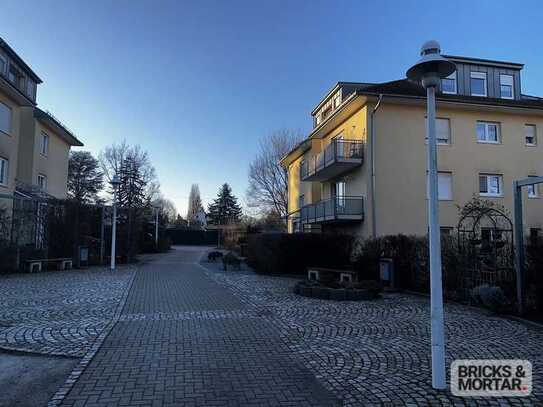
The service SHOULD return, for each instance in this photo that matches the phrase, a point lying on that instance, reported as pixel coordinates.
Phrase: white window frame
(44, 148)
(4, 171)
(478, 75)
(488, 177)
(43, 177)
(507, 77)
(10, 119)
(533, 190)
(452, 77)
(487, 125)
(533, 126)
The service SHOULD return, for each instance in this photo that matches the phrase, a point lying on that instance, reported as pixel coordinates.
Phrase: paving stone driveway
(194, 335)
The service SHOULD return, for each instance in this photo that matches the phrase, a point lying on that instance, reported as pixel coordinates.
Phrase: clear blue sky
(197, 83)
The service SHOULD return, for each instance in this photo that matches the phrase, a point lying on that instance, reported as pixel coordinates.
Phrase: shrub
(281, 253)
(409, 254)
(490, 297)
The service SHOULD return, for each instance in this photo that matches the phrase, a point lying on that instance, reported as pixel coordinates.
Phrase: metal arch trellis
(485, 242)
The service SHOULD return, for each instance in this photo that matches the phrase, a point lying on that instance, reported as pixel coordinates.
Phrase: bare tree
(168, 211)
(195, 206)
(114, 159)
(138, 188)
(268, 181)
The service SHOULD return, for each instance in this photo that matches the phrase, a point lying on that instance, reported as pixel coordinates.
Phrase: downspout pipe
(372, 159)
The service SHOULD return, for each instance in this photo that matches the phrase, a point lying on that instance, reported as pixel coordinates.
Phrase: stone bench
(62, 264)
(327, 274)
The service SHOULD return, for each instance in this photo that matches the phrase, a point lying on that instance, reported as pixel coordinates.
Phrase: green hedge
(282, 253)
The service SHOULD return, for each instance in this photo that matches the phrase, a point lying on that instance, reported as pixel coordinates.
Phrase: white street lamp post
(429, 70)
(156, 225)
(115, 184)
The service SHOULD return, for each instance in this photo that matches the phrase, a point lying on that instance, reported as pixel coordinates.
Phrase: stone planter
(359, 295)
(338, 294)
(320, 292)
(305, 291)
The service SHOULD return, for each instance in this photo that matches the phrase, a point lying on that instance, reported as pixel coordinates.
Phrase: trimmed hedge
(282, 253)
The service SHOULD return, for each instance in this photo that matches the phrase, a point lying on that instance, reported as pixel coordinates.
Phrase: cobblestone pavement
(59, 313)
(193, 335)
(378, 352)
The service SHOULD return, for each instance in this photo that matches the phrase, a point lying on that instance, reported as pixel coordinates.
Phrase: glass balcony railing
(339, 156)
(338, 208)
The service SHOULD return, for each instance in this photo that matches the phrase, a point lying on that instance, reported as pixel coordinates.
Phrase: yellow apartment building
(362, 169)
(34, 145)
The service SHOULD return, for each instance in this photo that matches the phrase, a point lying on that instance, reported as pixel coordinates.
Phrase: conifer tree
(225, 208)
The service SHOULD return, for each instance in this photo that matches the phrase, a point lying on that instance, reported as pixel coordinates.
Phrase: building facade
(34, 145)
(362, 169)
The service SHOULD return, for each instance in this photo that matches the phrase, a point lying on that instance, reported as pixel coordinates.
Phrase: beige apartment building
(362, 169)
(34, 145)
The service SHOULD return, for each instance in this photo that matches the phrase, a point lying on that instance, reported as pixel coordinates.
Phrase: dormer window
(448, 84)
(506, 86)
(478, 83)
(3, 64)
(16, 77)
(30, 88)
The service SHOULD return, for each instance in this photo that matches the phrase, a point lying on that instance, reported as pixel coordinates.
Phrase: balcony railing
(338, 157)
(335, 209)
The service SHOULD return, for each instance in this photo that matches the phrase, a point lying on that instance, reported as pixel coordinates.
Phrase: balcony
(340, 208)
(338, 157)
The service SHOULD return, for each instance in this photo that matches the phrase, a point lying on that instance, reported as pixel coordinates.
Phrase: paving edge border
(64, 389)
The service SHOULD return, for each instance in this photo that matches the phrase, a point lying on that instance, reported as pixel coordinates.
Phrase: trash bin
(386, 273)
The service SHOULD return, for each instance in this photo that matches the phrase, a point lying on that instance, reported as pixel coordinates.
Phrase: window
(3, 64)
(340, 195)
(445, 231)
(448, 84)
(488, 132)
(4, 171)
(44, 149)
(530, 134)
(490, 185)
(533, 191)
(30, 88)
(42, 182)
(301, 201)
(5, 118)
(443, 131)
(444, 186)
(478, 83)
(318, 119)
(506, 87)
